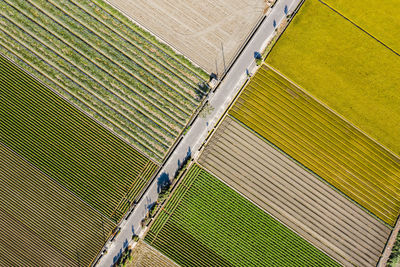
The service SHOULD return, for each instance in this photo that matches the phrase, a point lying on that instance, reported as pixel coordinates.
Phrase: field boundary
(359, 27)
(35, 167)
(253, 203)
(244, 43)
(333, 111)
(310, 171)
(155, 35)
(292, 15)
(66, 189)
(387, 250)
(173, 189)
(77, 107)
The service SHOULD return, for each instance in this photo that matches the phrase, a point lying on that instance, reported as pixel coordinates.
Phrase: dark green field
(69, 146)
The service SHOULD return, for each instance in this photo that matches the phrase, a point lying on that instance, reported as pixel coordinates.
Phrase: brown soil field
(145, 256)
(200, 30)
(293, 195)
(41, 223)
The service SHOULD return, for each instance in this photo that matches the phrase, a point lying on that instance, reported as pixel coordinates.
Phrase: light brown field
(294, 196)
(198, 29)
(145, 256)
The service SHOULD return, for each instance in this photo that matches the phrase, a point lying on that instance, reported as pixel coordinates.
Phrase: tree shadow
(163, 181)
(116, 257)
(202, 90)
(184, 161)
(125, 245)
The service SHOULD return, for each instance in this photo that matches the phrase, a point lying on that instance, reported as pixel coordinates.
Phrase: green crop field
(69, 146)
(379, 18)
(106, 65)
(206, 223)
(321, 141)
(41, 223)
(343, 67)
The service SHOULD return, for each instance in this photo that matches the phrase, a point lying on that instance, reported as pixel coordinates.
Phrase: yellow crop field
(379, 18)
(344, 67)
(321, 141)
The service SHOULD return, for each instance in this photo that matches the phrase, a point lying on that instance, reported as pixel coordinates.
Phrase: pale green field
(379, 18)
(343, 67)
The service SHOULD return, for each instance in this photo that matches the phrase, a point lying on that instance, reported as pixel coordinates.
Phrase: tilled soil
(198, 29)
(294, 196)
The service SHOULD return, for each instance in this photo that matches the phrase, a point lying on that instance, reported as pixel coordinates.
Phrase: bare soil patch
(200, 30)
(294, 196)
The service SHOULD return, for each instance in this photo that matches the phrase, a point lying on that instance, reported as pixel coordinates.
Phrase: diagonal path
(200, 128)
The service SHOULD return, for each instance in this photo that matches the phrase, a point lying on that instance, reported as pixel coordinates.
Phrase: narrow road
(193, 139)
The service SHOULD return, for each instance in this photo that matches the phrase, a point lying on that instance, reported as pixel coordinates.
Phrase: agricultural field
(42, 223)
(107, 66)
(321, 141)
(378, 18)
(207, 32)
(294, 196)
(344, 67)
(144, 255)
(207, 223)
(69, 146)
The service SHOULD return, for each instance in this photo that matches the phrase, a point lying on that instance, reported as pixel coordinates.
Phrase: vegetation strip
(360, 83)
(321, 141)
(110, 72)
(66, 144)
(204, 213)
(294, 196)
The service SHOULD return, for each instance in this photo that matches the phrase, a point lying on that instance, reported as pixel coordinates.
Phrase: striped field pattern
(322, 141)
(68, 146)
(206, 223)
(42, 223)
(297, 198)
(110, 68)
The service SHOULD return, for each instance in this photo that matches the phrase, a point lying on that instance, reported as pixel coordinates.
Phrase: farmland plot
(109, 68)
(321, 141)
(379, 18)
(42, 223)
(206, 223)
(144, 255)
(344, 67)
(294, 196)
(68, 146)
(208, 32)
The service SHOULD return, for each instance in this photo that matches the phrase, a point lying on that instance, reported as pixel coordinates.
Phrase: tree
(206, 110)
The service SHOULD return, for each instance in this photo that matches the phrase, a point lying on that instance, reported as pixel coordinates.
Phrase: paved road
(193, 139)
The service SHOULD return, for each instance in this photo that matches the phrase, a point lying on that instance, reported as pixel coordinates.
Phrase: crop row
(321, 141)
(66, 144)
(59, 218)
(204, 214)
(125, 122)
(160, 50)
(134, 191)
(132, 50)
(113, 76)
(17, 243)
(69, 52)
(294, 196)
